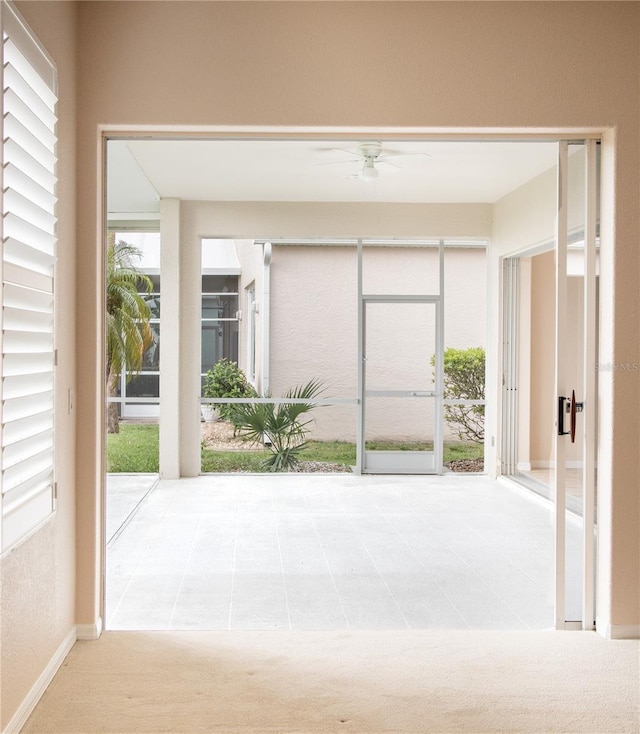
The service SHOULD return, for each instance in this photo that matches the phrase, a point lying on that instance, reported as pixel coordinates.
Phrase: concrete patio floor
(329, 552)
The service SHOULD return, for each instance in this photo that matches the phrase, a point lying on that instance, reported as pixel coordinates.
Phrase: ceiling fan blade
(399, 155)
(387, 163)
(333, 163)
(348, 152)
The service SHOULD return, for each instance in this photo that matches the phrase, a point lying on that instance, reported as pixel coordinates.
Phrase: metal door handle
(572, 407)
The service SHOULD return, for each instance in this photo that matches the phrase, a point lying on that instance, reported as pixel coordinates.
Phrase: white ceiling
(140, 172)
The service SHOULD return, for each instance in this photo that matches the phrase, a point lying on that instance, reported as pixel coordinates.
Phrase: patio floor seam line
(117, 533)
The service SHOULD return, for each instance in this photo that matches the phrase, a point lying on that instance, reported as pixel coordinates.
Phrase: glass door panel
(401, 379)
(549, 379)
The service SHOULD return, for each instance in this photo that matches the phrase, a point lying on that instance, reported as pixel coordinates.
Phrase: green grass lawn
(135, 449)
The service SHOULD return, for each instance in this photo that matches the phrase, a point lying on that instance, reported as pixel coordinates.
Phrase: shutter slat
(18, 320)
(13, 80)
(18, 60)
(27, 299)
(27, 259)
(17, 180)
(31, 474)
(18, 408)
(27, 140)
(21, 159)
(25, 471)
(29, 211)
(25, 427)
(16, 342)
(18, 32)
(21, 386)
(28, 448)
(27, 364)
(28, 233)
(15, 106)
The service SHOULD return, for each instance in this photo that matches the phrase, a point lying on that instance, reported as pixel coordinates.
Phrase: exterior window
(219, 319)
(28, 257)
(145, 384)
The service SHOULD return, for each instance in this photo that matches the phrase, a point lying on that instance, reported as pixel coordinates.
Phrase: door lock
(571, 407)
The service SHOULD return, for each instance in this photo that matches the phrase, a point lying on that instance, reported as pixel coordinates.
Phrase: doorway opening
(462, 220)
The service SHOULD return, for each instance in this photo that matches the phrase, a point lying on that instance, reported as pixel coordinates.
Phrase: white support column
(438, 437)
(360, 437)
(189, 389)
(170, 339)
(266, 319)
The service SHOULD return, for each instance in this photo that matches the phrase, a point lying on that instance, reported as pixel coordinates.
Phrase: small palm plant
(278, 425)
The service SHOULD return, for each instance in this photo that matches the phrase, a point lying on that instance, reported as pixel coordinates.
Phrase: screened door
(402, 385)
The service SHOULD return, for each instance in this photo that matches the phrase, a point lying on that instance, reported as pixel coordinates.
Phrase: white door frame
(587, 423)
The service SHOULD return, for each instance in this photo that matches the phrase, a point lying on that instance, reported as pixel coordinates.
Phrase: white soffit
(318, 171)
(129, 191)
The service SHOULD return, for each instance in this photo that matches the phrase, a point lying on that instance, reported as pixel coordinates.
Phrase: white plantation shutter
(28, 258)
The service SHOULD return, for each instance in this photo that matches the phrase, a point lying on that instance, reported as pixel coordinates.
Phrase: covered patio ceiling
(140, 172)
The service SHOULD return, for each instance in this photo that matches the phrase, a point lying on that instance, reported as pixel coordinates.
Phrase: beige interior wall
(543, 402)
(38, 577)
(524, 365)
(543, 322)
(377, 66)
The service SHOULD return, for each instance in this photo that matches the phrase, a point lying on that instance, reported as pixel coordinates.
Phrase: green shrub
(464, 380)
(226, 380)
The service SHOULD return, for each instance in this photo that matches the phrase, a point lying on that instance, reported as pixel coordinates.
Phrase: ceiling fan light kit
(369, 171)
(370, 152)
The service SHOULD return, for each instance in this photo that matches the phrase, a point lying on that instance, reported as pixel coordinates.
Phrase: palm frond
(280, 424)
(128, 333)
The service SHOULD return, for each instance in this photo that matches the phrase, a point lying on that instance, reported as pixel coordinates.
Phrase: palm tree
(128, 333)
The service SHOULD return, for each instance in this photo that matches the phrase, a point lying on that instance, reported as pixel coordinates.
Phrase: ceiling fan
(369, 153)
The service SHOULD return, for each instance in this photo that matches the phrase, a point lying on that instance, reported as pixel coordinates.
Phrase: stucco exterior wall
(313, 299)
(37, 584)
(306, 283)
(315, 330)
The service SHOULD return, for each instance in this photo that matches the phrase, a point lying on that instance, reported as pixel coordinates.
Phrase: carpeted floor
(308, 682)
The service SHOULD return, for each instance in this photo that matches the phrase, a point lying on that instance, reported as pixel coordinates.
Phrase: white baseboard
(524, 466)
(539, 464)
(89, 631)
(619, 631)
(19, 719)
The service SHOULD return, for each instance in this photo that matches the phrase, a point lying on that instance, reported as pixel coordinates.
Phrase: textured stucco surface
(315, 328)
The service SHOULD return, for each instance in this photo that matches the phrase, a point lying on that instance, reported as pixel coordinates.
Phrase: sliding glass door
(549, 366)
